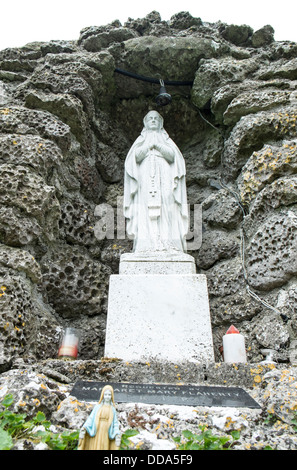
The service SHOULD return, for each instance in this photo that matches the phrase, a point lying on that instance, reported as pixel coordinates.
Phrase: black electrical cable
(154, 80)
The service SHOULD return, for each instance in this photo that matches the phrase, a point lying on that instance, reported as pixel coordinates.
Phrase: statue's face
(153, 121)
(107, 396)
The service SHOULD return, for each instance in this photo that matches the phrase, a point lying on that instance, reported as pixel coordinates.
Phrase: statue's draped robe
(163, 227)
(101, 429)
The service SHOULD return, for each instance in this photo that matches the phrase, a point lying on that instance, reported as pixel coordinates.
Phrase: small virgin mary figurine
(101, 429)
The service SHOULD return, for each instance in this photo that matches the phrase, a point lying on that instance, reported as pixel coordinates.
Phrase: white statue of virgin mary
(155, 199)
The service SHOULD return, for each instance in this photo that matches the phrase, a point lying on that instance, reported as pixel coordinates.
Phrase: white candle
(234, 346)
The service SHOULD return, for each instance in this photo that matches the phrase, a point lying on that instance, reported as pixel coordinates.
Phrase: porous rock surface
(47, 387)
(67, 121)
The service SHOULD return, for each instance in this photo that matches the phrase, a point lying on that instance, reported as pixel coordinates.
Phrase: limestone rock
(67, 107)
(252, 102)
(184, 20)
(95, 38)
(28, 327)
(109, 164)
(277, 196)
(263, 37)
(151, 24)
(32, 392)
(19, 120)
(29, 194)
(237, 34)
(46, 386)
(19, 60)
(20, 260)
(57, 47)
(77, 222)
(213, 74)
(223, 96)
(147, 53)
(212, 149)
(265, 166)
(216, 245)
(31, 151)
(272, 252)
(4, 94)
(252, 131)
(280, 69)
(272, 333)
(17, 230)
(75, 284)
(221, 210)
(230, 302)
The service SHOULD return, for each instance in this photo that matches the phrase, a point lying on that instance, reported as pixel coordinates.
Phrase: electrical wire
(242, 258)
(154, 80)
(167, 83)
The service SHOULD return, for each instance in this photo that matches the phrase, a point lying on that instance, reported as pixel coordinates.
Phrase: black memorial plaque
(166, 394)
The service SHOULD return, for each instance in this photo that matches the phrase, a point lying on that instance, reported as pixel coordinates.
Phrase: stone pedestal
(158, 262)
(158, 309)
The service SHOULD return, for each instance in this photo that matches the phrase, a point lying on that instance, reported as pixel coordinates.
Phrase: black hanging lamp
(163, 97)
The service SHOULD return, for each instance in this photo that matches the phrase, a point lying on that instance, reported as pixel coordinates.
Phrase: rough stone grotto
(67, 121)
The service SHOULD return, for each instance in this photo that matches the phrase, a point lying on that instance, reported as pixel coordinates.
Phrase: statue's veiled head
(153, 121)
(107, 394)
